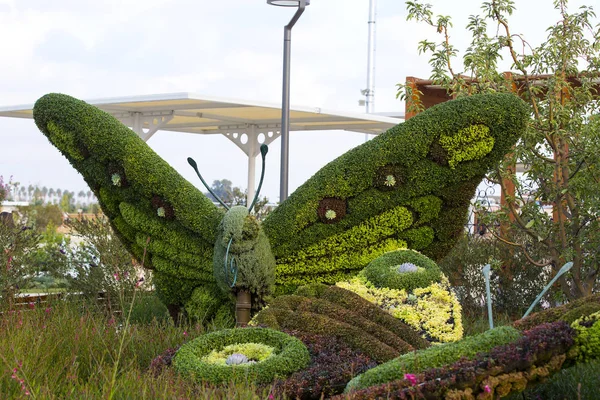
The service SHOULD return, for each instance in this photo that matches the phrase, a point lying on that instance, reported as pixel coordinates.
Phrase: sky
(223, 48)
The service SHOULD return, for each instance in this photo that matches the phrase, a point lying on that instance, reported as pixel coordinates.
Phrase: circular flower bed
(248, 354)
(402, 270)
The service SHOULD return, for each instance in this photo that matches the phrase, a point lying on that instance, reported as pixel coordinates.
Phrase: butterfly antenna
(191, 161)
(264, 149)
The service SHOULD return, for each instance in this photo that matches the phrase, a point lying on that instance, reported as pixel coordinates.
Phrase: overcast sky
(224, 48)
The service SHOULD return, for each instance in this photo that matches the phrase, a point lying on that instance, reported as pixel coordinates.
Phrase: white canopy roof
(245, 123)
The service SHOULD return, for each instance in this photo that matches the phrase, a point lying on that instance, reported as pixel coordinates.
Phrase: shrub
(558, 313)
(366, 309)
(434, 357)
(515, 285)
(388, 175)
(499, 371)
(577, 382)
(588, 336)
(386, 271)
(290, 355)
(433, 311)
(332, 365)
(318, 316)
(330, 228)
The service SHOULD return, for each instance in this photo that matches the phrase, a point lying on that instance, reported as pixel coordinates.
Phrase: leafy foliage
(515, 285)
(290, 355)
(434, 357)
(332, 365)
(559, 81)
(574, 309)
(383, 272)
(425, 208)
(433, 311)
(497, 372)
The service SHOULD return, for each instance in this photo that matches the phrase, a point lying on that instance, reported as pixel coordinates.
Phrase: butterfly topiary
(409, 187)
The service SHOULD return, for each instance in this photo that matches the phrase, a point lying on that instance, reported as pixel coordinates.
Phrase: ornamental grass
(69, 350)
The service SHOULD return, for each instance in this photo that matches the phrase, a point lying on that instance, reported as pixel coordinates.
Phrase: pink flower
(116, 276)
(184, 333)
(487, 389)
(411, 378)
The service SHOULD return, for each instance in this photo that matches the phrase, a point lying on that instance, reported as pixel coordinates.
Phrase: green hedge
(429, 166)
(434, 357)
(410, 186)
(133, 183)
(351, 301)
(290, 355)
(383, 271)
(567, 312)
(374, 333)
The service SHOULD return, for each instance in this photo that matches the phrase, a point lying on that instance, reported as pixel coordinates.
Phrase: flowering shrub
(433, 311)
(332, 365)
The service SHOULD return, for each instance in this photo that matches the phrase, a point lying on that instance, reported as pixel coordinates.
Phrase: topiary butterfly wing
(410, 186)
(151, 207)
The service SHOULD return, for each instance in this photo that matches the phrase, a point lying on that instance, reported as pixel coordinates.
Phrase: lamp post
(285, 102)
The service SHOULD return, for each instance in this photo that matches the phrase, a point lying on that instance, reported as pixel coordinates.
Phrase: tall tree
(560, 79)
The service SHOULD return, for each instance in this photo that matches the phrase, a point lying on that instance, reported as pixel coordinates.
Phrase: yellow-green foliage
(289, 355)
(434, 311)
(253, 351)
(470, 143)
(588, 336)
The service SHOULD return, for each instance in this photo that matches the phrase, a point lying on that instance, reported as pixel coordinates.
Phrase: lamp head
(288, 3)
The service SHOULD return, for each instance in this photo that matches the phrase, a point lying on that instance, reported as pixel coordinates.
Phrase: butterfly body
(242, 257)
(409, 187)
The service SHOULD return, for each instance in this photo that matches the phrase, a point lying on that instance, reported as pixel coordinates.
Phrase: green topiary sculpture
(410, 186)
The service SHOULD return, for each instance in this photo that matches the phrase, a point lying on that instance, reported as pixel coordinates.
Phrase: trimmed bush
(442, 154)
(434, 311)
(366, 309)
(290, 355)
(410, 186)
(505, 368)
(559, 313)
(402, 270)
(321, 317)
(332, 365)
(434, 357)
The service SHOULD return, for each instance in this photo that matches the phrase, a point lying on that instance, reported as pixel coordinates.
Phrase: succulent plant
(236, 359)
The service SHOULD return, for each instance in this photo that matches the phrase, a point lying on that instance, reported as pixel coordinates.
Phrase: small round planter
(289, 355)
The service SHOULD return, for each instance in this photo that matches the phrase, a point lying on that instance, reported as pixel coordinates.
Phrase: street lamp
(285, 102)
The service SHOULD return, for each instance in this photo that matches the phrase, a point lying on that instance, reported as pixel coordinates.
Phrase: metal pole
(370, 103)
(285, 103)
(370, 92)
